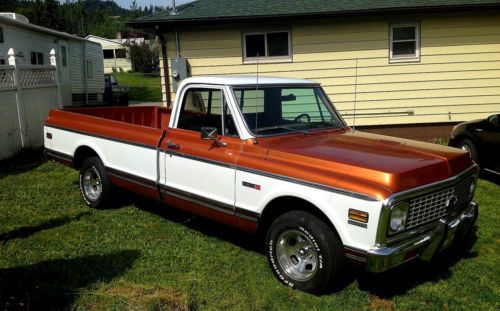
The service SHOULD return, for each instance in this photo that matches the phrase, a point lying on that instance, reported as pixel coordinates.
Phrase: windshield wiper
(279, 127)
(325, 124)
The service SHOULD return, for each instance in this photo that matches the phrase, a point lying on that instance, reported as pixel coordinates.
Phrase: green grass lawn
(143, 88)
(56, 253)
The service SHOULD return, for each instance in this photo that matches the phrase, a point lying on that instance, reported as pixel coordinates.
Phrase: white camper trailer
(79, 61)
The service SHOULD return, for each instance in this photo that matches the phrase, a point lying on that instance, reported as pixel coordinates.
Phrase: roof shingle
(210, 10)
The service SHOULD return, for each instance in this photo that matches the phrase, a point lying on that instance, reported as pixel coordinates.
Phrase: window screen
(404, 41)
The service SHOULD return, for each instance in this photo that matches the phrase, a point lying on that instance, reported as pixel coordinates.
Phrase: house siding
(456, 79)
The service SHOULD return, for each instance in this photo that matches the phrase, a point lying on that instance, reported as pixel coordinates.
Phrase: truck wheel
(95, 185)
(468, 145)
(303, 252)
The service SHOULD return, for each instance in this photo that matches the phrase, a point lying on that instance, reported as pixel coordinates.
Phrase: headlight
(399, 214)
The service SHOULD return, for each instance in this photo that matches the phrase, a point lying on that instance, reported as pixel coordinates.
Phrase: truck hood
(372, 164)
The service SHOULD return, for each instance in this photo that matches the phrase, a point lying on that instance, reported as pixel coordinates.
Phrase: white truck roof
(245, 80)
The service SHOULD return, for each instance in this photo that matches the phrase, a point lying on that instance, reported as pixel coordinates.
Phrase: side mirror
(494, 120)
(211, 133)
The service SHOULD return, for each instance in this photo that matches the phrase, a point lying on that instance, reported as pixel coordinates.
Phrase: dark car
(115, 94)
(482, 139)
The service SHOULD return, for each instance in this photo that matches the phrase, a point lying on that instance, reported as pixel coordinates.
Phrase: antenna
(355, 95)
(257, 93)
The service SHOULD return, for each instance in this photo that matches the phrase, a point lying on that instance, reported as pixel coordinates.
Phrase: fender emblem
(250, 185)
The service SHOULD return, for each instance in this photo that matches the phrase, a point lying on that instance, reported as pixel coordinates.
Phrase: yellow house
(405, 68)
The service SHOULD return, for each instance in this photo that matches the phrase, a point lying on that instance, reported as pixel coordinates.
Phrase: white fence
(27, 93)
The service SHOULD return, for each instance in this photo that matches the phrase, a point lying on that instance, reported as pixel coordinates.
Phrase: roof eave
(167, 23)
(37, 28)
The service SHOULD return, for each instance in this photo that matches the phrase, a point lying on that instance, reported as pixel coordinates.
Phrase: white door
(197, 170)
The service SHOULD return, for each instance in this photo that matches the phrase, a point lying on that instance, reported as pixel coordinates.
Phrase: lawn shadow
(203, 225)
(395, 282)
(26, 231)
(54, 284)
(24, 161)
(400, 280)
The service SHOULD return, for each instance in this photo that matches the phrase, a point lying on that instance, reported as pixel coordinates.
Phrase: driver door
(200, 171)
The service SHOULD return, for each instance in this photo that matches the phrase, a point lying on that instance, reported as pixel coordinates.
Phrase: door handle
(172, 145)
(478, 130)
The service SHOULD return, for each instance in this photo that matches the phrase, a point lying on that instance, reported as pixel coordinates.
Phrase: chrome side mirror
(211, 133)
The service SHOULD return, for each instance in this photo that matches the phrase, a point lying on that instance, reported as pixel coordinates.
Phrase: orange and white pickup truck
(272, 156)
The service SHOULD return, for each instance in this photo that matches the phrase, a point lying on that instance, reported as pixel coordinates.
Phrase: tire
(469, 146)
(95, 186)
(310, 266)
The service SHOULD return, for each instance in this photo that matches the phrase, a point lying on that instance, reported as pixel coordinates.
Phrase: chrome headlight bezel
(398, 218)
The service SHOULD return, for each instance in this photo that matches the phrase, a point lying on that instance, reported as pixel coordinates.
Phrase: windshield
(278, 110)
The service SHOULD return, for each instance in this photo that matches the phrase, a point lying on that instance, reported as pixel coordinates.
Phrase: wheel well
(282, 205)
(82, 153)
(461, 137)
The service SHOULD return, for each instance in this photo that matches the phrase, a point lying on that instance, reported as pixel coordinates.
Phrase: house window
(36, 58)
(267, 45)
(121, 53)
(64, 58)
(2, 61)
(1, 35)
(405, 42)
(90, 70)
(108, 54)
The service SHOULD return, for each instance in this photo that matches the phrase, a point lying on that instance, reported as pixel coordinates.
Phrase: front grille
(434, 205)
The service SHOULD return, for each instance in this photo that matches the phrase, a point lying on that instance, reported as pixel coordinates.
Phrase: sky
(126, 3)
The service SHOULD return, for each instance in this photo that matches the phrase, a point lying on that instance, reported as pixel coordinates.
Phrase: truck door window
(206, 108)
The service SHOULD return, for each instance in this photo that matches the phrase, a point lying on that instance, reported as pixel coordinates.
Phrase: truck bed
(150, 116)
(139, 125)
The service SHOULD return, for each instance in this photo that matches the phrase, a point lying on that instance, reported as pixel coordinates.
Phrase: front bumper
(423, 246)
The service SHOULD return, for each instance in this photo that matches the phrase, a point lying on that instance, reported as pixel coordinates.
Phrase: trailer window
(121, 53)
(90, 70)
(36, 58)
(108, 54)
(64, 59)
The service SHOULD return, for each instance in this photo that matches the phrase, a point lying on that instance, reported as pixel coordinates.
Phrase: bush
(144, 56)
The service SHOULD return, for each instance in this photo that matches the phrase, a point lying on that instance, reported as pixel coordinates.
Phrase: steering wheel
(302, 115)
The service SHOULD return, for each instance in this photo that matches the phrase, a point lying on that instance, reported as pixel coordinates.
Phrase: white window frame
(409, 58)
(266, 59)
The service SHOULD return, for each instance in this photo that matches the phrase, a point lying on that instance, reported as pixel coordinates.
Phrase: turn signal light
(358, 215)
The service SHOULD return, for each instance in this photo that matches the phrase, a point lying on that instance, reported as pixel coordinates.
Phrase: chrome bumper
(423, 246)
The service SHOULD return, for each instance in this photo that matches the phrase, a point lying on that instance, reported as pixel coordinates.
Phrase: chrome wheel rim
(92, 184)
(297, 255)
(465, 148)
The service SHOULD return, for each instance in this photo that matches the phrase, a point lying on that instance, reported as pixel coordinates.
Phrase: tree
(144, 56)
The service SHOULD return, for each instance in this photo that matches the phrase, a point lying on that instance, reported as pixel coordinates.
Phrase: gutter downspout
(177, 45)
(166, 75)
